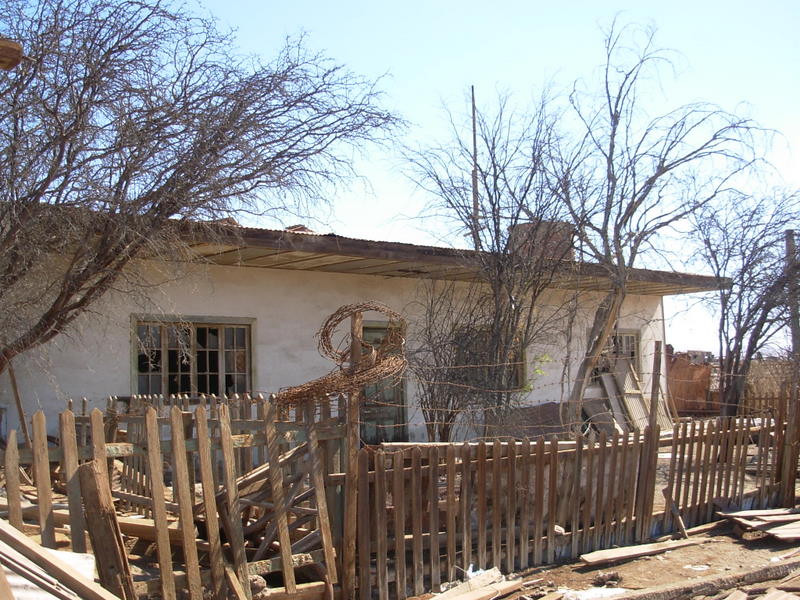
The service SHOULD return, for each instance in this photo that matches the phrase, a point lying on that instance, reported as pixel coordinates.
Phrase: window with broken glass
(192, 358)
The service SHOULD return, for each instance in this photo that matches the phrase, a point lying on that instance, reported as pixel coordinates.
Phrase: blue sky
(744, 56)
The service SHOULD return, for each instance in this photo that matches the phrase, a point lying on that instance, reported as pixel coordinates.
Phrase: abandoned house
(243, 316)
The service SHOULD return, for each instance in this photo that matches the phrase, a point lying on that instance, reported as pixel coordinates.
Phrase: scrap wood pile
(625, 406)
(780, 523)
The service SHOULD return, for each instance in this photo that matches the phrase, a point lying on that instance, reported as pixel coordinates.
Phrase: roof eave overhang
(263, 248)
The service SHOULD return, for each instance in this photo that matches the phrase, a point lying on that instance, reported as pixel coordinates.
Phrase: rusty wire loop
(380, 362)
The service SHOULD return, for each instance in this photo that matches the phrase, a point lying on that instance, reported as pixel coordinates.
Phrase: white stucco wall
(94, 359)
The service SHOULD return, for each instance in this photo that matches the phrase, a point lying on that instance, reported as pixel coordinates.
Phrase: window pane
(213, 384)
(229, 337)
(213, 338)
(201, 337)
(240, 337)
(202, 384)
(202, 362)
(213, 361)
(172, 361)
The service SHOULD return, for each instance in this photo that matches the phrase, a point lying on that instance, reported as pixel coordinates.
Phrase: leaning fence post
(112, 561)
(351, 475)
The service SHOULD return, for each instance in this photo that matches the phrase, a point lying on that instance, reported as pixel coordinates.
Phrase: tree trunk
(604, 319)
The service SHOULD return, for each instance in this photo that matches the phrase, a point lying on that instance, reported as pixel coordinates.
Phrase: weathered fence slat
(399, 501)
(13, 492)
(364, 528)
(416, 520)
(215, 557)
(433, 499)
(41, 476)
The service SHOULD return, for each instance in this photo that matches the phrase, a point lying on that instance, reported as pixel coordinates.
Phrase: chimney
(546, 239)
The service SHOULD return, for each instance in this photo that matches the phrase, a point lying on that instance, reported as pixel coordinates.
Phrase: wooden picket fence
(428, 513)
(174, 445)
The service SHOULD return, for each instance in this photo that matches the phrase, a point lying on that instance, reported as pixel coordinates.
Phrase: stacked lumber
(781, 523)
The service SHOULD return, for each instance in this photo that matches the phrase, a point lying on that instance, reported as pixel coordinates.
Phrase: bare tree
(629, 176)
(128, 119)
(742, 239)
(475, 335)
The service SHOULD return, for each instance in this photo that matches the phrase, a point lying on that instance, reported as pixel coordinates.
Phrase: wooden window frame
(192, 323)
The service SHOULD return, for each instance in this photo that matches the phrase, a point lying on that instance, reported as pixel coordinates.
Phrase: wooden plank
(526, 500)
(155, 471)
(278, 498)
(5, 588)
(364, 527)
(743, 442)
(433, 499)
(666, 522)
(185, 498)
(13, 493)
(451, 512)
(416, 520)
(399, 500)
(215, 557)
(99, 453)
(679, 468)
(318, 481)
(699, 459)
(497, 503)
(66, 574)
(234, 585)
(107, 545)
(601, 557)
(511, 506)
(353, 442)
(538, 501)
(610, 514)
(729, 443)
(381, 529)
(617, 534)
(641, 485)
(41, 476)
(652, 460)
(465, 498)
(575, 498)
(552, 500)
(716, 442)
(699, 509)
(613, 394)
(587, 488)
(634, 456)
(231, 521)
(600, 493)
(69, 444)
(482, 505)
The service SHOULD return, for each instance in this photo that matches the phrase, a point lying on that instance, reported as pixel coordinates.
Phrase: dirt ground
(721, 553)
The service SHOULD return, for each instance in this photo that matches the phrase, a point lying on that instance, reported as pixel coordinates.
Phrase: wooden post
(104, 533)
(789, 469)
(351, 475)
(655, 386)
(23, 420)
(41, 475)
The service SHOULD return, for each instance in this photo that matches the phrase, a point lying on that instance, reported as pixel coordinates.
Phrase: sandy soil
(721, 553)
